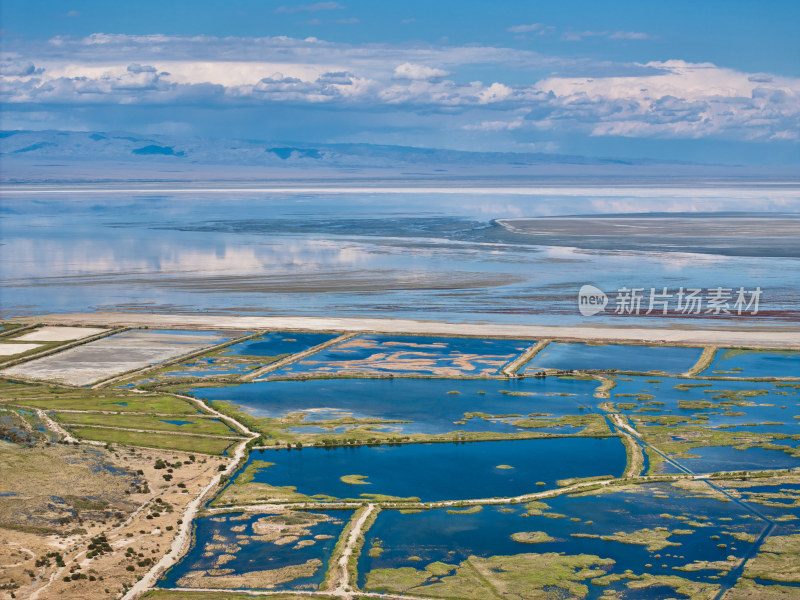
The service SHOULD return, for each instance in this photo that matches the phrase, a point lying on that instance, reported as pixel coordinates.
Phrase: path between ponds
(182, 540)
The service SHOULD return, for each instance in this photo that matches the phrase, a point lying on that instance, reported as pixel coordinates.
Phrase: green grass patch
(156, 423)
(185, 443)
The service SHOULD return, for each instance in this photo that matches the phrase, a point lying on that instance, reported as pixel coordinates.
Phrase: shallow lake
(753, 406)
(564, 355)
(442, 471)
(427, 403)
(236, 536)
(750, 363)
(407, 354)
(451, 538)
(276, 343)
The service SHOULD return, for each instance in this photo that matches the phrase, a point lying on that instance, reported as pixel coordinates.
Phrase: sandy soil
(59, 334)
(768, 337)
(143, 529)
(11, 349)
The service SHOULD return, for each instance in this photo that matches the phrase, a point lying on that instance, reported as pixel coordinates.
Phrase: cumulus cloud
(418, 72)
(669, 98)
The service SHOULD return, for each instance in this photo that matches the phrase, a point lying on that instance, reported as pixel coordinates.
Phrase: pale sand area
(783, 336)
(59, 334)
(103, 358)
(11, 349)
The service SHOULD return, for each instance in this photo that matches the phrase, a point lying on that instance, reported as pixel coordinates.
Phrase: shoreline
(784, 337)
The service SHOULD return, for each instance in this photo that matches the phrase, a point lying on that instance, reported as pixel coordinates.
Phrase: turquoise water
(565, 356)
(426, 403)
(178, 422)
(257, 555)
(436, 535)
(761, 363)
(408, 354)
(442, 471)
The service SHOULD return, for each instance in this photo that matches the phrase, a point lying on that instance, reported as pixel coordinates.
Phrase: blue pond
(276, 343)
(177, 422)
(224, 534)
(712, 459)
(451, 538)
(444, 356)
(564, 356)
(774, 405)
(754, 363)
(427, 403)
(443, 471)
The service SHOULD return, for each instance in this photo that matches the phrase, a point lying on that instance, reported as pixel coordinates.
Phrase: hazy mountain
(80, 156)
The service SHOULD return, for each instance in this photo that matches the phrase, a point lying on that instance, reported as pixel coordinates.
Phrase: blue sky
(708, 81)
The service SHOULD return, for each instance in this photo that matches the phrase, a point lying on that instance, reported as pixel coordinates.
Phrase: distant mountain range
(80, 156)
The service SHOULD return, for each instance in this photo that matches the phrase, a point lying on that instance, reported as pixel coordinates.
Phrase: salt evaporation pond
(734, 362)
(429, 404)
(437, 535)
(442, 471)
(568, 355)
(411, 354)
(236, 537)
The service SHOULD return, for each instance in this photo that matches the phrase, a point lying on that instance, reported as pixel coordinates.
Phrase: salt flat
(11, 349)
(783, 336)
(59, 334)
(126, 351)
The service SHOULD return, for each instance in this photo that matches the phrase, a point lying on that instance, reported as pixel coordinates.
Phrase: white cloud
(418, 72)
(538, 28)
(577, 36)
(316, 7)
(669, 98)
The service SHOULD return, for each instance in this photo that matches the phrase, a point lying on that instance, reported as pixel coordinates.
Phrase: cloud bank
(526, 91)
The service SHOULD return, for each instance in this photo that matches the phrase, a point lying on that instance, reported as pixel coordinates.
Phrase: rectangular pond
(118, 353)
(409, 354)
(570, 355)
(259, 551)
(427, 405)
(656, 529)
(441, 471)
(736, 362)
(277, 343)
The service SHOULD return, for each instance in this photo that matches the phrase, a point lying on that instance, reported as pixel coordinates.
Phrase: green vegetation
(655, 539)
(185, 443)
(531, 537)
(355, 479)
(105, 400)
(146, 422)
(778, 560)
(523, 576)
(693, 589)
(465, 511)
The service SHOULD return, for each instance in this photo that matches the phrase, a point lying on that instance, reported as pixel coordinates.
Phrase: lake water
(415, 254)
(442, 471)
(451, 538)
(276, 343)
(428, 404)
(558, 355)
(765, 363)
(409, 354)
(234, 535)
